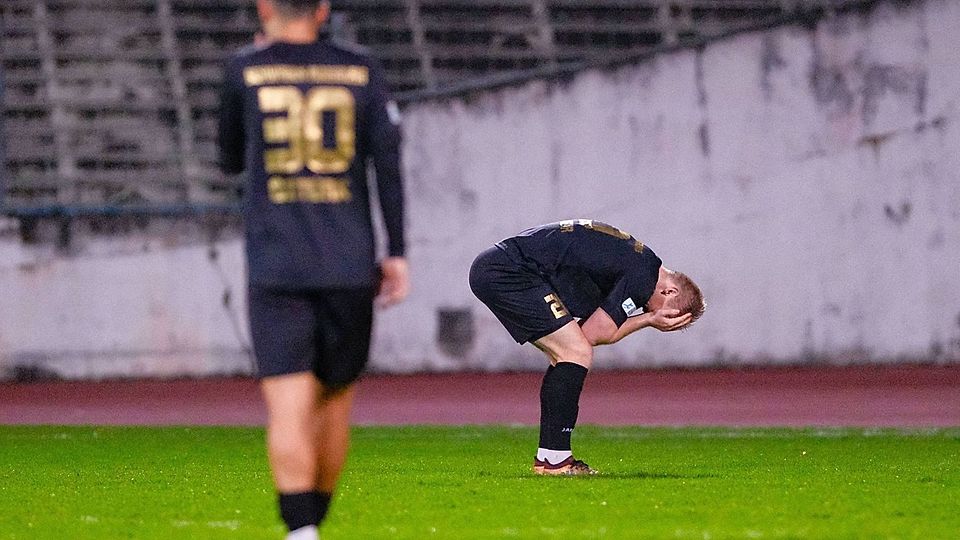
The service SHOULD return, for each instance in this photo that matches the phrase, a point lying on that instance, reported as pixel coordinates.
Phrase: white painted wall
(808, 180)
(141, 305)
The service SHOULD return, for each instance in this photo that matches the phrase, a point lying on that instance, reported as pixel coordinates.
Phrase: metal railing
(51, 176)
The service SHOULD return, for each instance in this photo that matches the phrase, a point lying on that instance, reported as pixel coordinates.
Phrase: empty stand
(114, 101)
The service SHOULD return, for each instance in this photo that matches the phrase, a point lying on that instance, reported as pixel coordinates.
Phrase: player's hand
(260, 39)
(668, 320)
(394, 281)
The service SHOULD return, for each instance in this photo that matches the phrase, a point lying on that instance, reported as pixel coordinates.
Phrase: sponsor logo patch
(393, 113)
(628, 306)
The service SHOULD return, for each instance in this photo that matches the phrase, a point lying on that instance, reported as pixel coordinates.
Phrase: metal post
(66, 162)
(545, 42)
(668, 32)
(420, 43)
(188, 157)
(3, 153)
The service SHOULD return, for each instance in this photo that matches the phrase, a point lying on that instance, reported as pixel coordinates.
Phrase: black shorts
(325, 331)
(521, 299)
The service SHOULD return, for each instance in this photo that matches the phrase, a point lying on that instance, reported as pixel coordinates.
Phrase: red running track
(898, 396)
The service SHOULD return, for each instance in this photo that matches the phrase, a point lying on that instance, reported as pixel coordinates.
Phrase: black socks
(559, 404)
(302, 509)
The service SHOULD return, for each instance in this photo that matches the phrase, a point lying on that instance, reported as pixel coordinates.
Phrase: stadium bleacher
(114, 101)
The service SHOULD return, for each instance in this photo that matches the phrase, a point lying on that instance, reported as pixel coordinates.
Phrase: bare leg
(308, 432)
(568, 344)
(292, 445)
(571, 356)
(333, 424)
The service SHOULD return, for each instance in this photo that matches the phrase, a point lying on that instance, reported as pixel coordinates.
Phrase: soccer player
(303, 116)
(567, 287)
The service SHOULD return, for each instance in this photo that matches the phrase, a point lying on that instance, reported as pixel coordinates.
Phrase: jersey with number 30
(304, 120)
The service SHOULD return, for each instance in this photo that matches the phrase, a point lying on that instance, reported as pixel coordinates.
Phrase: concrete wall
(807, 178)
(133, 304)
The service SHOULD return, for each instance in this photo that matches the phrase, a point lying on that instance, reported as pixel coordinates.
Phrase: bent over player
(303, 117)
(566, 287)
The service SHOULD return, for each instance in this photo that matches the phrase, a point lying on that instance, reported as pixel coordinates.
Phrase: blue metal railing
(3, 153)
(804, 15)
(70, 211)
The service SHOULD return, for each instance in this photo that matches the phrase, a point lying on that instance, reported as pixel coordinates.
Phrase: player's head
(689, 298)
(274, 12)
(675, 290)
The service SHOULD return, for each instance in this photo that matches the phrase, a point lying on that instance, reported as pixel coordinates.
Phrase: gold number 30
(301, 128)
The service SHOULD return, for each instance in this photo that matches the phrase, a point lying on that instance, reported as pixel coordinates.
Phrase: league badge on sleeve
(393, 113)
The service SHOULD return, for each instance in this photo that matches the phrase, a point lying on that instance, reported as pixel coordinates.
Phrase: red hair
(690, 299)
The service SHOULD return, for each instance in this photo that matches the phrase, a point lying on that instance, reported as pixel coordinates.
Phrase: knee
(282, 443)
(293, 460)
(287, 443)
(578, 353)
(337, 402)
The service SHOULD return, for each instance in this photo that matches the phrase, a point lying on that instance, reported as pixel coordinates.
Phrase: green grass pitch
(474, 482)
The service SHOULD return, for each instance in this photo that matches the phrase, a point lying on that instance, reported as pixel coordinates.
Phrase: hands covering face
(669, 319)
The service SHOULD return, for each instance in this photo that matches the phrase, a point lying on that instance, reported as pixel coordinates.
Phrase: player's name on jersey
(309, 189)
(314, 73)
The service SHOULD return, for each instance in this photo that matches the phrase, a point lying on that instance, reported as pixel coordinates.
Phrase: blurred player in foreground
(302, 116)
(566, 287)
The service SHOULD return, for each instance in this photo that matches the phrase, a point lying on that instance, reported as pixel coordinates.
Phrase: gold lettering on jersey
(278, 160)
(311, 74)
(604, 228)
(339, 101)
(286, 100)
(309, 189)
(300, 128)
(276, 130)
(556, 306)
(601, 227)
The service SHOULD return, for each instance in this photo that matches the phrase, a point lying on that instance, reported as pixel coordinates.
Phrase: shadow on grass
(654, 476)
(638, 475)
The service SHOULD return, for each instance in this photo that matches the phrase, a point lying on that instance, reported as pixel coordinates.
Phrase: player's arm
(383, 140)
(601, 329)
(231, 139)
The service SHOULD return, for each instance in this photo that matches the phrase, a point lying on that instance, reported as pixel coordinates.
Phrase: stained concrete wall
(138, 303)
(807, 178)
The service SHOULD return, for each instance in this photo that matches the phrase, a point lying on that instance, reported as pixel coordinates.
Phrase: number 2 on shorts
(556, 306)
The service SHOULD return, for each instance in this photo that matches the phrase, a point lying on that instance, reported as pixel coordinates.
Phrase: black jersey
(303, 121)
(590, 265)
